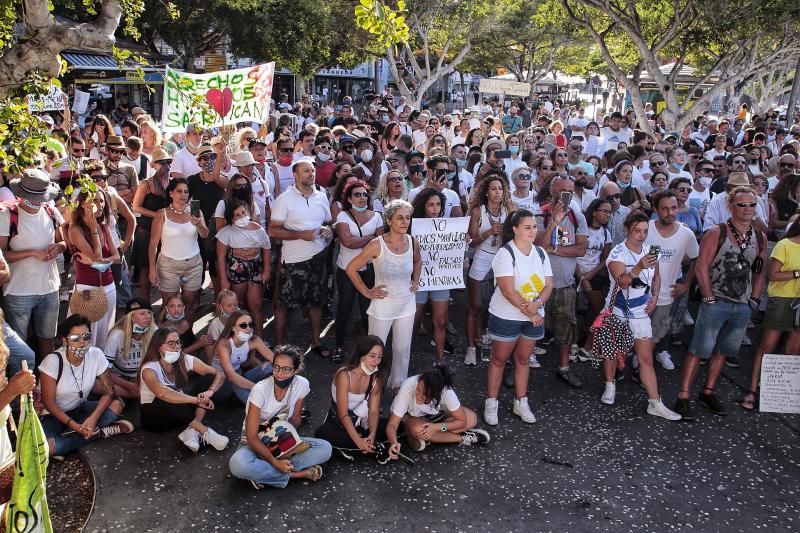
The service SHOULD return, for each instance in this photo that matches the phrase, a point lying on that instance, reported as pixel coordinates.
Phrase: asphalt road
(583, 466)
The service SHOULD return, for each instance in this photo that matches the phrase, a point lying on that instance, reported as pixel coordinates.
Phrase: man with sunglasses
(66, 167)
(436, 178)
(613, 194)
(121, 176)
(729, 272)
(584, 183)
(574, 157)
(787, 164)
(718, 211)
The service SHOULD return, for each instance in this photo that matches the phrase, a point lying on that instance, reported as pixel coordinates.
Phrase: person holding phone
(438, 168)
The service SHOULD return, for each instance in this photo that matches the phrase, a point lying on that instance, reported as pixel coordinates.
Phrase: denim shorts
(723, 325)
(503, 330)
(42, 308)
(434, 296)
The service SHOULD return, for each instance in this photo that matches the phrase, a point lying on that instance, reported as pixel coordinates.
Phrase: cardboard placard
(780, 383)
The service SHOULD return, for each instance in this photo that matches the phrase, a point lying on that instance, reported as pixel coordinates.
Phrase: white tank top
(352, 399)
(179, 241)
(394, 271)
(486, 225)
(238, 355)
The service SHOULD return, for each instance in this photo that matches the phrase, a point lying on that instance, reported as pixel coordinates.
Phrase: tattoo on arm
(105, 382)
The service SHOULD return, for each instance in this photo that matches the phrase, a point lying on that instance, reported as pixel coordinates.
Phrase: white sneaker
(533, 362)
(657, 408)
(219, 442)
(609, 394)
(666, 360)
(191, 438)
(416, 445)
(687, 319)
(539, 350)
(522, 410)
(635, 362)
(573, 353)
(471, 358)
(490, 411)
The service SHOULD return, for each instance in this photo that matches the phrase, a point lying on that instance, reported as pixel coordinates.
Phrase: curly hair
(345, 195)
(480, 194)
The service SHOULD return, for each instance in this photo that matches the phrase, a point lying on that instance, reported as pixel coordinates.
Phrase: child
(227, 304)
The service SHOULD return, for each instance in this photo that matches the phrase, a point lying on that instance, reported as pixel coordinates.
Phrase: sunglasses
(746, 204)
(614, 196)
(360, 195)
(101, 177)
(576, 147)
(658, 163)
(684, 189)
(348, 149)
(739, 162)
(207, 158)
(245, 325)
(547, 168)
(524, 177)
(79, 150)
(77, 337)
(283, 369)
(323, 147)
(606, 211)
(174, 344)
(786, 165)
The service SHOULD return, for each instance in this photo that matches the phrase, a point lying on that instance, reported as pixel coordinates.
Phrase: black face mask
(242, 192)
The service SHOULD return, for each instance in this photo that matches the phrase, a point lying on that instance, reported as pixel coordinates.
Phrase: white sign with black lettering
(507, 87)
(442, 244)
(52, 101)
(780, 383)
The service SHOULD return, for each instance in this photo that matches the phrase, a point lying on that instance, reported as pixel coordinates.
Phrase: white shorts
(481, 265)
(641, 328)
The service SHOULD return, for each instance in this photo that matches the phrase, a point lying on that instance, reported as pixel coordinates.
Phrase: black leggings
(332, 431)
(347, 296)
(162, 416)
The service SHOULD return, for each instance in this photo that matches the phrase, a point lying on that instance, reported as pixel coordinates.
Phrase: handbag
(281, 437)
(91, 303)
(613, 338)
(8, 469)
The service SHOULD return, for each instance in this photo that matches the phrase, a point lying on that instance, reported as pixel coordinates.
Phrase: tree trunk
(793, 98)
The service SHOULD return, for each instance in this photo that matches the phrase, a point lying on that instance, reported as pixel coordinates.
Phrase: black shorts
(304, 284)
(243, 270)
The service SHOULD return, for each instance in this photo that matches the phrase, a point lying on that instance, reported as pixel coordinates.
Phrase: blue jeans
(255, 375)
(122, 281)
(43, 308)
(18, 352)
(69, 442)
(719, 328)
(247, 464)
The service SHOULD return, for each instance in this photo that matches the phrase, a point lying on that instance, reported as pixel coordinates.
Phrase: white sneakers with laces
(665, 359)
(490, 411)
(533, 362)
(191, 438)
(120, 427)
(522, 410)
(657, 408)
(609, 394)
(471, 358)
(219, 442)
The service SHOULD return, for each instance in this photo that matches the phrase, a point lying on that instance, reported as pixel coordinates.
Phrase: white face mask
(366, 370)
(705, 182)
(366, 156)
(171, 357)
(323, 156)
(244, 336)
(242, 222)
(139, 329)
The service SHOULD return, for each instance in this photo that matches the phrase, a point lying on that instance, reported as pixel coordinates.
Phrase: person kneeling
(67, 376)
(429, 408)
(168, 396)
(273, 400)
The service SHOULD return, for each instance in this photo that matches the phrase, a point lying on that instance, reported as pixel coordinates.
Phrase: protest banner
(780, 384)
(52, 101)
(240, 95)
(504, 87)
(81, 102)
(442, 243)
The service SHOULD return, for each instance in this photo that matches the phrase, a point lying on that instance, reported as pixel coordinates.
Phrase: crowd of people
(575, 225)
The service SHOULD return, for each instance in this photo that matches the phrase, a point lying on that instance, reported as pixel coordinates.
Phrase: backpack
(723, 234)
(510, 250)
(13, 220)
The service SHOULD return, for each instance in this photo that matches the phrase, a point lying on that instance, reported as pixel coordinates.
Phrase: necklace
(742, 239)
(78, 384)
(176, 211)
(494, 219)
(169, 375)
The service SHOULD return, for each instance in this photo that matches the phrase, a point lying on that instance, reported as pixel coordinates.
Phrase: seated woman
(173, 315)
(67, 376)
(227, 304)
(170, 399)
(430, 411)
(280, 395)
(353, 419)
(125, 345)
(236, 351)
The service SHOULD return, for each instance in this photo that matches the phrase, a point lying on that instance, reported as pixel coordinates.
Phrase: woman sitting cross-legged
(67, 376)
(169, 398)
(280, 396)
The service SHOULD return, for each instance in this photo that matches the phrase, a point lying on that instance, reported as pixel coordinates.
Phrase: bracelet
(69, 420)
(709, 300)
(796, 274)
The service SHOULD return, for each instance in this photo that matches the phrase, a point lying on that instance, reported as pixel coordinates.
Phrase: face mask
(171, 357)
(31, 205)
(283, 383)
(208, 166)
(366, 155)
(285, 160)
(385, 118)
(513, 149)
(705, 182)
(139, 329)
(360, 209)
(366, 370)
(416, 169)
(225, 315)
(461, 163)
(678, 166)
(623, 185)
(242, 192)
(244, 336)
(175, 318)
(80, 352)
(323, 156)
(242, 222)
(451, 176)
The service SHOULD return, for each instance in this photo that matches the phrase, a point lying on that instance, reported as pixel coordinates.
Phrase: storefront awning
(84, 61)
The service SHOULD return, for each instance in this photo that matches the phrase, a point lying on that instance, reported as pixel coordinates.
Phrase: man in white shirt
(719, 148)
(717, 211)
(579, 123)
(614, 134)
(676, 241)
(300, 218)
(184, 163)
(701, 194)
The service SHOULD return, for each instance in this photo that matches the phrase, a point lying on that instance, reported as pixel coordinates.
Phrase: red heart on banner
(221, 101)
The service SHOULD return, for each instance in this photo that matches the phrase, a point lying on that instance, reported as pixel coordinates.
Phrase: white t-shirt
(185, 163)
(451, 199)
(219, 211)
(673, 249)
(262, 397)
(579, 123)
(610, 139)
(510, 165)
(145, 394)
(74, 379)
(529, 278)
(30, 276)
(598, 238)
(406, 401)
(124, 362)
(637, 297)
(215, 327)
(298, 213)
(528, 202)
(348, 254)
(236, 237)
(699, 200)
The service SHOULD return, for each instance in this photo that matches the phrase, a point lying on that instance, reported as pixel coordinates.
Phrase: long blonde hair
(125, 324)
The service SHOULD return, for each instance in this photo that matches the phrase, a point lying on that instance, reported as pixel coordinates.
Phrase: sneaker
(474, 436)
(570, 378)
(733, 361)
(687, 319)
(490, 411)
(609, 394)
(635, 362)
(546, 340)
(712, 403)
(219, 442)
(539, 350)
(584, 355)
(533, 362)
(573, 353)
(471, 358)
(120, 427)
(657, 408)
(683, 408)
(666, 360)
(416, 445)
(191, 438)
(522, 410)
(448, 348)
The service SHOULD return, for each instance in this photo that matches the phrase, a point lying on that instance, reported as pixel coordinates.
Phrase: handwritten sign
(442, 243)
(513, 88)
(240, 95)
(780, 383)
(52, 101)
(81, 102)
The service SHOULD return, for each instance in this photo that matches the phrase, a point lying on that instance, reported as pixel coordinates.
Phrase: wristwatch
(796, 274)
(709, 300)
(444, 427)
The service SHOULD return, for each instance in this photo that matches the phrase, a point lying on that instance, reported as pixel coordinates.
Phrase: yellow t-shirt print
(531, 288)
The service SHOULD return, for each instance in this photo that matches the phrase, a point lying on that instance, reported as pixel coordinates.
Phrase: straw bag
(91, 303)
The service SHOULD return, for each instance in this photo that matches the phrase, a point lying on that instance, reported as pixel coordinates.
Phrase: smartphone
(566, 198)
(655, 250)
(195, 207)
(502, 154)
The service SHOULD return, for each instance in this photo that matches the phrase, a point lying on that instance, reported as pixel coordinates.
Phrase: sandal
(746, 404)
(320, 351)
(256, 484)
(313, 473)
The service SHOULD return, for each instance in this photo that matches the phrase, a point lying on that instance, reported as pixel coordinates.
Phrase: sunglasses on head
(78, 336)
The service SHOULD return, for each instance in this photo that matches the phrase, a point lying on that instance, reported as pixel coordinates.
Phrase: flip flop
(320, 351)
(749, 405)
(313, 473)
